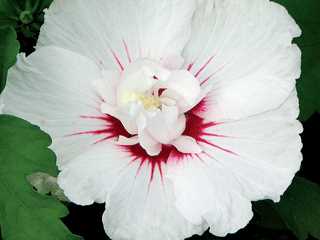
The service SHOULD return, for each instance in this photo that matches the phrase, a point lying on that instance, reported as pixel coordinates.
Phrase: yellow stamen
(147, 101)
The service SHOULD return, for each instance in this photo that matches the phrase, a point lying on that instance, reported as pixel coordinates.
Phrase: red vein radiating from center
(117, 59)
(203, 67)
(127, 51)
(195, 127)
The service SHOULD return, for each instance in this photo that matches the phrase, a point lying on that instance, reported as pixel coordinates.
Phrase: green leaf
(9, 13)
(267, 216)
(14, 11)
(9, 48)
(26, 17)
(25, 214)
(306, 14)
(298, 210)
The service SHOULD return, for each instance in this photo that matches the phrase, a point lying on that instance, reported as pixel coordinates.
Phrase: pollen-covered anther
(148, 101)
(154, 108)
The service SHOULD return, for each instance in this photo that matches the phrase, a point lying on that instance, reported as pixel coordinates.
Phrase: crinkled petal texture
(246, 52)
(246, 126)
(126, 30)
(135, 208)
(52, 88)
(246, 160)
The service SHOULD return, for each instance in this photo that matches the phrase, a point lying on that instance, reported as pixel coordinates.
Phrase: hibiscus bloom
(177, 114)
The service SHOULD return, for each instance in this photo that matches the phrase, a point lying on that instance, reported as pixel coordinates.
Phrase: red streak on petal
(201, 107)
(214, 135)
(207, 79)
(93, 132)
(103, 139)
(190, 66)
(203, 67)
(195, 127)
(208, 155)
(104, 117)
(112, 128)
(127, 51)
(216, 146)
(211, 75)
(117, 60)
(168, 153)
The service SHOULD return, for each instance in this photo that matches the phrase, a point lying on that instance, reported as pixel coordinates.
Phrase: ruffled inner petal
(266, 154)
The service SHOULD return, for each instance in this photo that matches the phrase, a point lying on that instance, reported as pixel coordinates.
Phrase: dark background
(86, 221)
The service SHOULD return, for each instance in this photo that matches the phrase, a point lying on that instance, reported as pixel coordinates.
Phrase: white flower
(176, 113)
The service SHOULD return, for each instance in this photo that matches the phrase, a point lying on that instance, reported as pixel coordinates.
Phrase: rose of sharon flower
(175, 113)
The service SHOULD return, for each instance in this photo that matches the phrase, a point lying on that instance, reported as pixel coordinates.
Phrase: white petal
(183, 87)
(141, 121)
(245, 46)
(267, 148)
(247, 160)
(53, 89)
(107, 86)
(128, 123)
(139, 209)
(152, 147)
(128, 141)
(126, 120)
(167, 125)
(186, 144)
(205, 194)
(139, 78)
(131, 29)
(109, 109)
(89, 177)
(173, 62)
